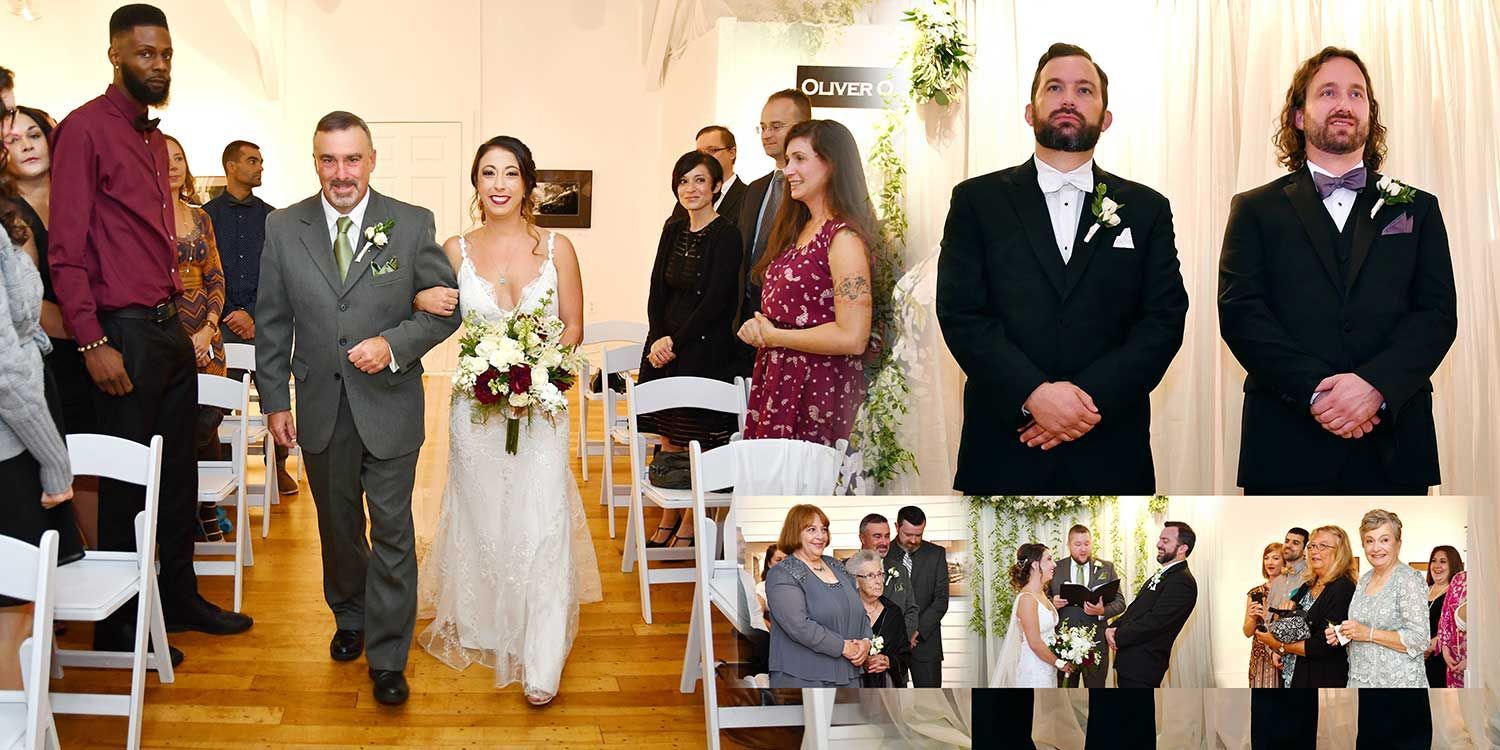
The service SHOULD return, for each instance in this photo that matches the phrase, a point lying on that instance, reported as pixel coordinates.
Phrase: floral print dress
(1450, 636)
(795, 394)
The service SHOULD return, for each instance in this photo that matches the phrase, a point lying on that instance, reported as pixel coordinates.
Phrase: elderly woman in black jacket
(890, 651)
(690, 312)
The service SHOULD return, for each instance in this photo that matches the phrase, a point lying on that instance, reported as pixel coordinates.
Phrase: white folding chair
(222, 482)
(93, 588)
(646, 398)
(621, 360)
(26, 714)
(594, 334)
(265, 493)
(793, 467)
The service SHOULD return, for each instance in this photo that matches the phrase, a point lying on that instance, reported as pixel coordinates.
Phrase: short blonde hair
(797, 519)
(1377, 518)
(1342, 565)
(1280, 550)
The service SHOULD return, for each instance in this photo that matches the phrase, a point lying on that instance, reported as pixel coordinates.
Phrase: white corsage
(1393, 192)
(1105, 210)
(378, 236)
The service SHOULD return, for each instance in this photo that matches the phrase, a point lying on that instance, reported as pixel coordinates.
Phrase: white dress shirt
(724, 189)
(1340, 202)
(1065, 193)
(356, 215)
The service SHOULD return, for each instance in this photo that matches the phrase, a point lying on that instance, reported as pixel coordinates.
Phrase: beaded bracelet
(101, 342)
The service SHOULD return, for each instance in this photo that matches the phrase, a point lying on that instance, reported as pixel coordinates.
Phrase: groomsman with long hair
(1336, 294)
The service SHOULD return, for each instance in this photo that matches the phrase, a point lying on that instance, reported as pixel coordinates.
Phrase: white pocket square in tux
(1124, 240)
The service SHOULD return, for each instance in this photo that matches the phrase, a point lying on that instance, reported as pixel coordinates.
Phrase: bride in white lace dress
(512, 557)
(1025, 661)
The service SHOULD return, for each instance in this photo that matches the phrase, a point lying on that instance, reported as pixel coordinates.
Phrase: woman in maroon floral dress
(814, 323)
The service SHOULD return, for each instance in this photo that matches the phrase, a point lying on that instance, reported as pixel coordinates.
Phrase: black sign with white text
(846, 87)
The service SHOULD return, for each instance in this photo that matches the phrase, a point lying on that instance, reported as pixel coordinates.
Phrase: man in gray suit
(1082, 568)
(925, 566)
(345, 293)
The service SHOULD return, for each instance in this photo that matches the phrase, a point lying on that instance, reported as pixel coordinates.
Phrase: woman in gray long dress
(820, 636)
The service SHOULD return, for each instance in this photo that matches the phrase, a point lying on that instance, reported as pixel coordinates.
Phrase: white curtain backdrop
(1195, 86)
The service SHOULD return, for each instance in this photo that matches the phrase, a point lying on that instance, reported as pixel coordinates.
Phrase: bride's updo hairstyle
(1028, 555)
(528, 175)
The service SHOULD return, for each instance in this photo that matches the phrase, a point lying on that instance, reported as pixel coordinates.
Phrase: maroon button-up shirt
(113, 232)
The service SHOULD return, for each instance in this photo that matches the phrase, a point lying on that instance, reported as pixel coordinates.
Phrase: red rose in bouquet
(520, 378)
(482, 391)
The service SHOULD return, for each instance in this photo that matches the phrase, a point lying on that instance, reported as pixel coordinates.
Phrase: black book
(1077, 593)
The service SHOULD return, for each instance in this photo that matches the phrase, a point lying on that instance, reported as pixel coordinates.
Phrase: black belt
(158, 315)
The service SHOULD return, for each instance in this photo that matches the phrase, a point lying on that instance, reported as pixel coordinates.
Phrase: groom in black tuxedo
(1142, 639)
(1337, 296)
(1063, 307)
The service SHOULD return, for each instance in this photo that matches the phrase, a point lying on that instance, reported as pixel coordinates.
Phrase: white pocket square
(1124, 240)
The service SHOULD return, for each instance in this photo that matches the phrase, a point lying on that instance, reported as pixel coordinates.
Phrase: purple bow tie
(1354, 180)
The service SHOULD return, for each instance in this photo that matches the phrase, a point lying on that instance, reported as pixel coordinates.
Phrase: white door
(422, 163)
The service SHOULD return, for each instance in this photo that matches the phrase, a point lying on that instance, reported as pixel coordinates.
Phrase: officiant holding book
(1103, 601)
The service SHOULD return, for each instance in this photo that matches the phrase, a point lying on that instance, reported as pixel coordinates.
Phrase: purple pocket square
(1400, 225)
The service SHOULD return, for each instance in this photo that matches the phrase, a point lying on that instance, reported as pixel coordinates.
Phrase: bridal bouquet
(517, 367)
(1075, 645)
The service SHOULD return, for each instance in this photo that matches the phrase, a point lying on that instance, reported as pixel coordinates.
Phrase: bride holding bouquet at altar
(512, 558)
(1027, 657)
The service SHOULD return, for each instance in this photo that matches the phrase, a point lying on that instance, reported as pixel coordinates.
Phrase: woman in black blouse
(26, 182)
(891, 653)
(1288, 719)
(690, 313)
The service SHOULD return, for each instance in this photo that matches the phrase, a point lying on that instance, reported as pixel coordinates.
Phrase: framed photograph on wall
(564, 198)
(208, 187)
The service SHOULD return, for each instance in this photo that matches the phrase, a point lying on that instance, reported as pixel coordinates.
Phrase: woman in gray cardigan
(34, 468)
(820, 636)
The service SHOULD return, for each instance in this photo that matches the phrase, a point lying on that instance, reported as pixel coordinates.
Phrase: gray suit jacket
(929, 591)
(302, 298)
(1100, 571)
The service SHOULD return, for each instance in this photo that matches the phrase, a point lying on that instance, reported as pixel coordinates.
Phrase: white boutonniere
(1393, 192)
(1156, 579)
(378, 236)
(1105, 210)
(877, 645)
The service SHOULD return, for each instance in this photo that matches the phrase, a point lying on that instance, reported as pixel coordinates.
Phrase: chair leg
(607, 487)
(143, 624)
(817, 715)
(583, 425)
(163, 662)
(273, 490)
(643, 562)
(627, 560)
(703, 612)
(241, 550)
(691, 665)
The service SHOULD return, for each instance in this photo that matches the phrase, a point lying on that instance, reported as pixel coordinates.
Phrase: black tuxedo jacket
(1015, 316)
(1145, 633)
(1291, 319)
(729, 208)
(929, 589)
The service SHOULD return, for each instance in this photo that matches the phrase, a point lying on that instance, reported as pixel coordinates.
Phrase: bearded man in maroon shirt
(113, 257)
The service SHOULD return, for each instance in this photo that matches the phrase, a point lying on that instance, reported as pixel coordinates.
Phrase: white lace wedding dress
(512, 557)
(1017, 665)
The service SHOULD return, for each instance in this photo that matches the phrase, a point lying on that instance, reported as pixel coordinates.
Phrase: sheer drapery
(1195, 87)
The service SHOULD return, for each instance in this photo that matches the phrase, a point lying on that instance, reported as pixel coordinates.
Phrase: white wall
(1251, 523)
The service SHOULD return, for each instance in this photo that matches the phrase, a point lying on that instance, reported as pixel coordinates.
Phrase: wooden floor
(275, 686)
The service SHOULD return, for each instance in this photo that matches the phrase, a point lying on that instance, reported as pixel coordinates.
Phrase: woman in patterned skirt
(1264, 671)
(814, 323)
(199, 307)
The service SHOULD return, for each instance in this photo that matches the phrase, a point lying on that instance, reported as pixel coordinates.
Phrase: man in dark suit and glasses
(1060, 296)
(1336, 294)
(762, 199)
(925, 566)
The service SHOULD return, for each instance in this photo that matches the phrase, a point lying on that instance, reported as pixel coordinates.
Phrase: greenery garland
(940, 57)
(1013, 514)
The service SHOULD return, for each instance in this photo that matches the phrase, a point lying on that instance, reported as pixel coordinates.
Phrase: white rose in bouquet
(520, 400)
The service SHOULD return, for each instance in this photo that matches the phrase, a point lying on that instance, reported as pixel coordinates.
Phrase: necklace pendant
(503, 281)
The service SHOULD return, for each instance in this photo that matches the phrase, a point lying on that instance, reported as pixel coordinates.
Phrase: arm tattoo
(852, 288)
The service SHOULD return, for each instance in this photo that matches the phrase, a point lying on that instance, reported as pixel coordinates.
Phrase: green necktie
(343, 254)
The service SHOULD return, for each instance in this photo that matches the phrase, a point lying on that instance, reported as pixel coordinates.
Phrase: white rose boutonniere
(1105, 211)
(378, 236)
(1393, 192)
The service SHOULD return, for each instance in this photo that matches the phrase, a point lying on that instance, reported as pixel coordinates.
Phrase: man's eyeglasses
(774, 127)
(715, 150)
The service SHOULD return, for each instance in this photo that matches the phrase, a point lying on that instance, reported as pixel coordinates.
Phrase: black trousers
(1394, 719)
(1123, 717)
(1002, 718)
(1361, 474)
(164, 401)
(1284, 719)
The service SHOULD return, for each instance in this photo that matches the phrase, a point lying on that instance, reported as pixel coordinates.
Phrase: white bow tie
(1052, 182)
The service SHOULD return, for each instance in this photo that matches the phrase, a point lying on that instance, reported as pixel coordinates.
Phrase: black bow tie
(145, 125)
